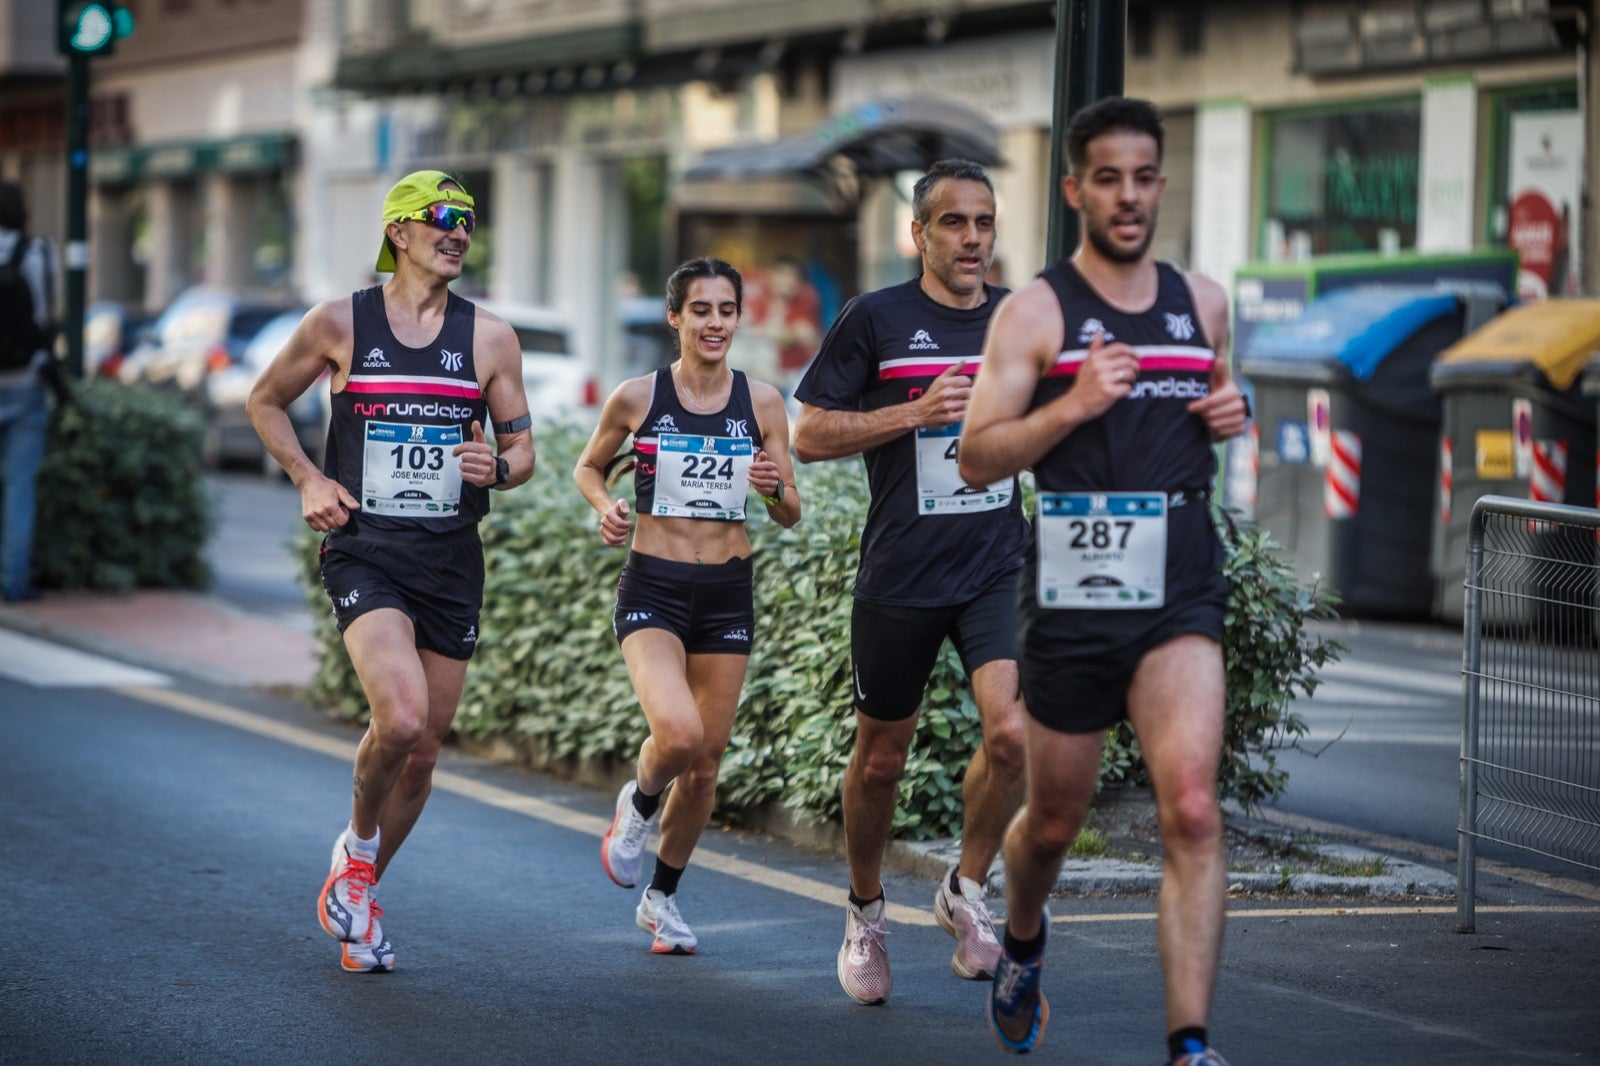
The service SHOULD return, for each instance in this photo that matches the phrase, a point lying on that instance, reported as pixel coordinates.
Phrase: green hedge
(122, 497)
(548, 670)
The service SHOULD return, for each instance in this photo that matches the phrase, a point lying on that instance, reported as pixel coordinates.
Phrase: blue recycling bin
(1347, 466)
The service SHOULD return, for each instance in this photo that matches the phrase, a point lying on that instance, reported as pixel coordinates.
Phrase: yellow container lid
(1557, 337)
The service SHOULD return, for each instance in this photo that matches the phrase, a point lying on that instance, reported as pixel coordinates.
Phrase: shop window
(1341, 181)
(1534, 197)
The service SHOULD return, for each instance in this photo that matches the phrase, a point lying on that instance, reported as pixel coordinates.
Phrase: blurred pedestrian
(938, 561)
(704, 435)
(1107, 377)
(417, 372)
(27, 335)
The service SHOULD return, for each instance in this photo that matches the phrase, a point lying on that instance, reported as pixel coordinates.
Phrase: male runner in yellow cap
(416, 374)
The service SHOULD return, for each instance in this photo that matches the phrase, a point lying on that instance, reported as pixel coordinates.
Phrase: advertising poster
(1546, 169)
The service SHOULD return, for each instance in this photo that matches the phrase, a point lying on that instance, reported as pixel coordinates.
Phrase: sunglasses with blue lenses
(444, 216)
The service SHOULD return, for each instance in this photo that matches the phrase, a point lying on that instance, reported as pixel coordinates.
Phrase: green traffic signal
(91, 27)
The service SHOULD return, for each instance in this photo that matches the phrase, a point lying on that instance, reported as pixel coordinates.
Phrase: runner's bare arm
(828, 433)
(1001, 436)
(772, 466)
(624, 409)
(1223, 408)
(322, 341)
(499, 357)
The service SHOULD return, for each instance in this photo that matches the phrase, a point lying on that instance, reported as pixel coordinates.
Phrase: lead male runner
(1106, 376)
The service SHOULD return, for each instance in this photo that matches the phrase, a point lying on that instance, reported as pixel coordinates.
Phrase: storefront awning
(880, 137)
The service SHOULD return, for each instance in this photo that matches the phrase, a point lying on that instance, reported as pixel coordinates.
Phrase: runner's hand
(1107, 375)
(615, 525)
(325, 504)
(477, 458)
(764, 475)
(1223, 408)
(945, 402)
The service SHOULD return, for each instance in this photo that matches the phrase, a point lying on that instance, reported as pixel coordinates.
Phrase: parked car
(202, 331)
(558, 380)
(648, 342)
(230, 438)
(110, 331)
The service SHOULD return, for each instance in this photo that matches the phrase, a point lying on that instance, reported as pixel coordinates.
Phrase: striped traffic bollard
(1341, 489)
(1548, 482)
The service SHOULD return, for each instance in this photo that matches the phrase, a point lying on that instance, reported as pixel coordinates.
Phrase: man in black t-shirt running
(939, 559)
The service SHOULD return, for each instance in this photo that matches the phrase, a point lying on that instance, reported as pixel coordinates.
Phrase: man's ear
(1070, 190)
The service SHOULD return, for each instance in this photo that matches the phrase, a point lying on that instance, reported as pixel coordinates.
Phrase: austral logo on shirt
(922, 342)
(664, 424)
(451, 361)
(375, 358)
(1179, 327)
(1090, 327)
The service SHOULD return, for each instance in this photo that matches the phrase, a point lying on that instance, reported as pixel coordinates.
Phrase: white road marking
(45, 665)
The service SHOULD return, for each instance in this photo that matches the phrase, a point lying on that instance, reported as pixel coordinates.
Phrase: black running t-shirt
(393, 427)
(929, 540)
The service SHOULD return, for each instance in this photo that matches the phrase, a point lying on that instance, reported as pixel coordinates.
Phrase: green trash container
(1515, 424)
(1346, 434)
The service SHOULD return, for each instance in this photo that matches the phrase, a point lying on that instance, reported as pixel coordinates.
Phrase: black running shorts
(893, 649)
(709, 607)
(1076, 666)
(437, 582)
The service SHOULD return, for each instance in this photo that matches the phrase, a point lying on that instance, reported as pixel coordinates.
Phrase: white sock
(365, 850)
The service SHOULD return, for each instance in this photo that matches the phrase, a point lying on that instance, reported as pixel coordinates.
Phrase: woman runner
(703, 436)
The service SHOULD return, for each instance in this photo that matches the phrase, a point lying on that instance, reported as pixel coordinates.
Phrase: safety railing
(1530, 736)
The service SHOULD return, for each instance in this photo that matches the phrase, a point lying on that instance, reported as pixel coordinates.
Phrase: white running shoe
(373, 953)
(343, 905)
(864, 955)
(622, 848)
(966, 917)
(658, 914)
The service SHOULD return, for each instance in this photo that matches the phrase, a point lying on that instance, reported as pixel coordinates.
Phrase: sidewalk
(188, 633)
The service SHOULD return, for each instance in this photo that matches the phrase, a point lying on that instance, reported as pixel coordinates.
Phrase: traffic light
(91, 27)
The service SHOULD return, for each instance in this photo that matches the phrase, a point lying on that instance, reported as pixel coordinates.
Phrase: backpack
(20, 335)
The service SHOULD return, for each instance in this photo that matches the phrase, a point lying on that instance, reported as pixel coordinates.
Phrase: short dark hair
(955, 170)
(1113, 114)
(704, 267)
(13, 213)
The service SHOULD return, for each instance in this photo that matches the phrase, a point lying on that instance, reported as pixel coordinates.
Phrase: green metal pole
(75, 256)
(1091, 40)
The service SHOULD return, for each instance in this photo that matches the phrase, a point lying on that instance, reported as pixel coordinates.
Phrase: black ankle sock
(645, 805)
(859, 903)
(1180, 1037)
(955, 881)
(665, 879)
(1022, 950)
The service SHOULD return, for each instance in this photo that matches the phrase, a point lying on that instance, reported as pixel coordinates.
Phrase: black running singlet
(930, 540)
(394, 425)
(1124, 495)
(1147, 440)
(691, 465)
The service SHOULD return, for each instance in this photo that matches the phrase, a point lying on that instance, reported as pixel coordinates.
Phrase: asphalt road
(161, 847)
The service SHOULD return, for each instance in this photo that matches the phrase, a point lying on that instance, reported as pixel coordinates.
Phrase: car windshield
(270, 339)
(542, 341)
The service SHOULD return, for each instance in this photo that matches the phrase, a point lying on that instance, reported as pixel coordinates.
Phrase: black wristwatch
(502, 471)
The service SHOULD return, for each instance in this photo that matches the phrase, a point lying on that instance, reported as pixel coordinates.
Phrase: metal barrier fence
(1530, 734)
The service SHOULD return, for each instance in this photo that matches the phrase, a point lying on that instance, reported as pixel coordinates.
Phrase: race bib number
(940, 489)
(702, 477)
(409, 470)
(1102, 550)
